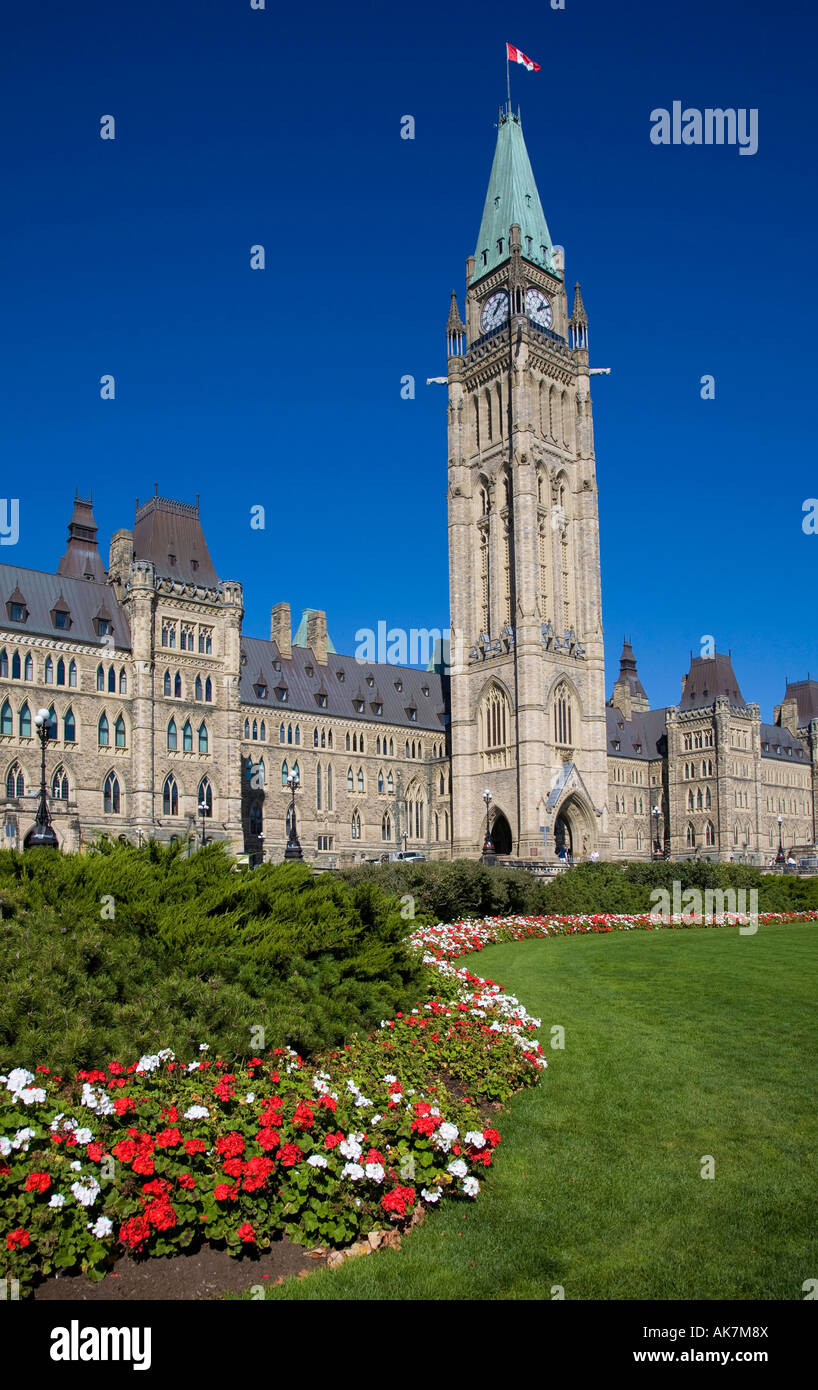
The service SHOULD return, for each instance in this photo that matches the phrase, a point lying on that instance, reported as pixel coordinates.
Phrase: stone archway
(501, 834)
(575, 829)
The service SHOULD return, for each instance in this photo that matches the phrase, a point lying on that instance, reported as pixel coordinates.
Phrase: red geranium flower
(187, 1180)
(303, 1117)
(230, 1145)
(38, 1182)
(158, 1188)
(95, 1152)
(246, 1233)
(133, 1232)
(233, 1167)
(144, 1165)
(334, 1139)
(289, 1155)
(328, 1102)
(195, 1146)
(125, 1150)
(225, 1193)
(167, 1138)
(160, 1214)
(269, 1138)
(18, 1237)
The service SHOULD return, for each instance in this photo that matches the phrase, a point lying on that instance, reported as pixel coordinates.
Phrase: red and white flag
(515, 55)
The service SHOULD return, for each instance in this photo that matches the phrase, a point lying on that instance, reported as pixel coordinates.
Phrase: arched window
(102, 731)
(381, 783)
(123, 681)
(262, 733)
(119, 732)
(350, 778)
(29, 670)
(172, 739)
(699, 799)
(289, 733)
(442, 784)
(260, 772)
(318, 788)
(198, 688)
(690, 800)
(69, 727)
(25, 721)
(298, 733)
(15, 667)
(285, 773)
(390, 784)
(110, 795)
(620, 839)
(710, 834)
(6, 721)
(495, 719)
(391, 749)
(691, 835)
(247, 728)
(177, 686)
(281, 733)
(563, 716)
(446, 824)
(386, 826)
(51, 724)
(4, 664)
(355, 743)
(348, 743)
(111, 680)
(355, 826)
(72, 674)
(315, 738)
(437, 826)
(208, 690)
(324, 739)
(360, 779)
(736, 833)
(60, 670)
(256, 819)
(15, 781)
(204, 797)
(48, 674)
(59, 784)
(296, 771)
(101, 679)
(329, 788)
(255, 729)
(707, 799)
(408, 754)
(166, 683)
(170, 796)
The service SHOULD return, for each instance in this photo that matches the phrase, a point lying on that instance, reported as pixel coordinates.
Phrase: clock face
(538, 308)
(495, 311)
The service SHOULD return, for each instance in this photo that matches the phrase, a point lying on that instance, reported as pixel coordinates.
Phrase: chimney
(317, 635)
(621, 699)
(281, 630)
(786, 714)
(120, 559)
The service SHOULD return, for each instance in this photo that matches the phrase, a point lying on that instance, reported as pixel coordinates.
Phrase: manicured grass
(677, 1045)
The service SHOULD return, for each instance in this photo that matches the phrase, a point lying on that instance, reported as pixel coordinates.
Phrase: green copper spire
(512, 197)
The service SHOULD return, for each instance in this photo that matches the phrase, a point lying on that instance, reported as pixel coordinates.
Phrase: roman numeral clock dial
(538, 309)
(494, 311)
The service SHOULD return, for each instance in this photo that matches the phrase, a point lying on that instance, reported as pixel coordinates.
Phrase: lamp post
(203, 810)
(293, 850)
(488, 856)
(41, 836)
(260, 837)
(779, 858)
(657, 848)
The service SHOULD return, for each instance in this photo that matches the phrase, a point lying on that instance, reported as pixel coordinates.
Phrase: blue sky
(277, 388)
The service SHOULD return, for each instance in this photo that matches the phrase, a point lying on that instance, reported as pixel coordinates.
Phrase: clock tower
(527, 673)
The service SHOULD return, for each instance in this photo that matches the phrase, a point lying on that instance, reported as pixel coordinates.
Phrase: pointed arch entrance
(501, 834)
(575, 829)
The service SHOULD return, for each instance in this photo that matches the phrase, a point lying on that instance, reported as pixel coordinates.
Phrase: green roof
(300, 638)
(512, 197)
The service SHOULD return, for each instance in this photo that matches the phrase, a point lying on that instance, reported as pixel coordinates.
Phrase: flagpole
(508, 81)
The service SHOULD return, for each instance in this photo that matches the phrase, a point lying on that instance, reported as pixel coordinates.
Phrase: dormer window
(377, 708)
(103, 627)
(17, 612)
(309, 671)
(359, 706)
(322, 699)
(412, 713)
(260, 691)
(425, 689)
(62, 619)
(276, 665)
(637, 747)
(399, 686)
(370, 680)
(282, 694)
(616, 745)
(485, 257)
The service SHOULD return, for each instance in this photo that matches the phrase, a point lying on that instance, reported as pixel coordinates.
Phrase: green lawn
(677, 1045)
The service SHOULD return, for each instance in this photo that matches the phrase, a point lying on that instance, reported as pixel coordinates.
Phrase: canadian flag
(516, 55)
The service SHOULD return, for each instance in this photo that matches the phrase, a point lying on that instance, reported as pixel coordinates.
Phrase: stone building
(168, 720)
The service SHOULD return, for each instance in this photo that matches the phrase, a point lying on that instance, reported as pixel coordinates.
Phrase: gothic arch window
(4, 664)
(355, 743)
(326, 739)
(110, 795)
(442, 784)
(101, 679)
(119, 732)
(6, 720)
(51, 724)
(699, 799)
(198, 688)
(361, 744)
(48, 674)
(350, 780)
(318, 787)
(484, 582)
(103, 731)
(172, 736)
(446, 825)
(386, 826)
(165, 683)
(204, 797)
(256, 818)
(407, 749)
(285, 773)
(414, 812)
(329, 788)
(260, 773)
(203, 739)
(620, 839)
(111, 681)
(15, 781)
(566, 420)
(355, 825)
(390, 784)
(281, 734)
(413, 748)
(298, 733)
(690, 800)
(348, 743)
(247, 729)
(69, 727)
(208, 690)
(691, 835)
(360, 779)
(488, 416)
(262, 733)
(477, 420)
(15, 666)
(639, 839)
(289, 733)
(315, 738)
(29, 670)
(707, 800)
(710, 833)
(437, 826)
(552, 412)
(59, 784)
(255, 729)
(296, 772)
(391, 749)
(72, 674)
(563, 716)
(123, 681)
(381, 783)
(177, 686)
(24, 724)
(60, 670)
(170, 796)
(496, 719)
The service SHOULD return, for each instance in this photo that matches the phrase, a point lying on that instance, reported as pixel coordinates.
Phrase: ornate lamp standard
(488, 856)
(41, 836)
(260, 838)
(657, 847)
(293, 850)
(203, 810)
(779, 858)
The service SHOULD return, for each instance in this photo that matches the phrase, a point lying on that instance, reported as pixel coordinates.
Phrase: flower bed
(154, 1157)
(448, 941)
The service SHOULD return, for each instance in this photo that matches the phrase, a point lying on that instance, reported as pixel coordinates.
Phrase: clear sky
(279, 388)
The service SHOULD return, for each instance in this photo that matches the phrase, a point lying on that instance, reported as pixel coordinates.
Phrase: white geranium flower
(102, 1227)
(83, 1136)
(389, 1079)
(55, 1123)
(21, 1138)
(457, 1168)
(18, 1079)
(471, 1187)
(86, 1194)
(376, 1119)
(249, 1098)
(5, 1146)
(204, 1047)
(350, 1147)
(57, 1200)
(197, 1112)
(149, 1063)
(193, 1066)
(428, 1196)
(32, 1095)
(352, 1170)
(76, 1165)
(362, 1101)
(375, 1171)
(475, 1139)
(317, 1161)
(448, 1132)
(167, 1054)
